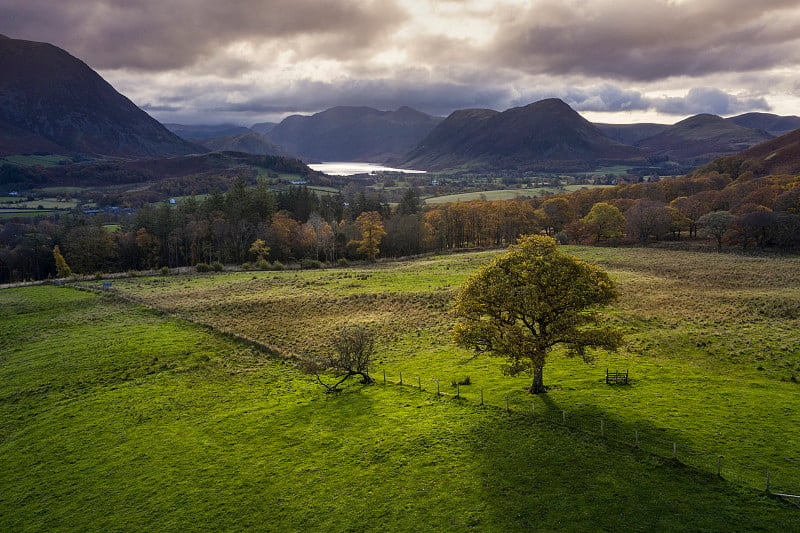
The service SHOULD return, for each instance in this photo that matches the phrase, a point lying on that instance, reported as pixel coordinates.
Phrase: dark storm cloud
(162, 35)
(437, 98)
(242, 58)
(651, 40)
(305, 96)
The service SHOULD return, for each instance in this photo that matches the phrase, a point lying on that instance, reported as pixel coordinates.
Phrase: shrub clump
(310, 264)
(202, 267)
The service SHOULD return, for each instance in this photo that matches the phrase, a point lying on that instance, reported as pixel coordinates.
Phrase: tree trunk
(538, 383)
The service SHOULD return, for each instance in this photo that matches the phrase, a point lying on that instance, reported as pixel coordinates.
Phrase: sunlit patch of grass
(701, 329)
(97, 435)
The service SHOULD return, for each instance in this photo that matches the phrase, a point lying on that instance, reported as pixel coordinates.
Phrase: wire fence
(645, 440)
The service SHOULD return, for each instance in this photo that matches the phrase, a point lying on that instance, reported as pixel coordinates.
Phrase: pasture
(141, 410)
(506, 194)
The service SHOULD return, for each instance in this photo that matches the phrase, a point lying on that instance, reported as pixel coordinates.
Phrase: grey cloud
(150, 108)
(306, 96)
(709, 100)
(651, 40)
(605, 98)
(162, 35)
(438, 98)
(431, 96)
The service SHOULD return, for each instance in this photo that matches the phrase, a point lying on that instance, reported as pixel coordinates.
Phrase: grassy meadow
(505, 194)
(140, 410)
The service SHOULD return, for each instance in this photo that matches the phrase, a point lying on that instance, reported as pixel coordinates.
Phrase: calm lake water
(350, 168)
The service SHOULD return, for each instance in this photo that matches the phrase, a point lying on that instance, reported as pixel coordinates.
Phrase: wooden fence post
(564, 417)
(674, 450)
(401, 379)
(602, 428)
(636, 436)
(437, 388)
(719, 466)
(533, 409)
(458, 390)
(419, 382)
(767, 489)
(507, 410)
(384, 376)
(481, 396)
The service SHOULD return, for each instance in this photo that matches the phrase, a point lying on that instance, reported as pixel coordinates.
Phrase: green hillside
(117, 417)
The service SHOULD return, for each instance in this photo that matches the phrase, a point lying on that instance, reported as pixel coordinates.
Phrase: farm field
(11, 206)
(505, 194)
(116, 416)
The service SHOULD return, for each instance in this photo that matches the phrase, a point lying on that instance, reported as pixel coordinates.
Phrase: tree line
(260, 228)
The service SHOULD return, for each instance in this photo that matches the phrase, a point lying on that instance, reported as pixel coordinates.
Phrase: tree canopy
(372, 231)
(530, 299)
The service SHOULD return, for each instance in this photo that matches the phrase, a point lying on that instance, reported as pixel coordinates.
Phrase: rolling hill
(702, 138)
(206, 131)
(777, 156)
(771, 123)
(249, 143)
(263, 127)
(53, 102)
(353, 133)
(630, 133)
(542, 135)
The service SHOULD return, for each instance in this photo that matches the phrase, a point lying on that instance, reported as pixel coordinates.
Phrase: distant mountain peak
(353, 133)
(533, 136)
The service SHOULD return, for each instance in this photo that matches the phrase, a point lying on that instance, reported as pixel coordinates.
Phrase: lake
(345, 168)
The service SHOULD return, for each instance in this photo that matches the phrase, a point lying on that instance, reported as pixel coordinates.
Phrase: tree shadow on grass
(395, 458)
(541, 474)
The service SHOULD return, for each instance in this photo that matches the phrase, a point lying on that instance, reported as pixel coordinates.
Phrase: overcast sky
(247, 61)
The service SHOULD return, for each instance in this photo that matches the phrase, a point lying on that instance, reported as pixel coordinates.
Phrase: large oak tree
(531, 299)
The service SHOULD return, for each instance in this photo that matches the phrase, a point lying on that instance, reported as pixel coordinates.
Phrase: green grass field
(46, 203)
(114, 416)
(505, 194)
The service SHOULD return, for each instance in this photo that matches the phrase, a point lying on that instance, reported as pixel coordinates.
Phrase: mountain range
(53, 102)
(544, 134)
(347, 133)
(701, 138)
